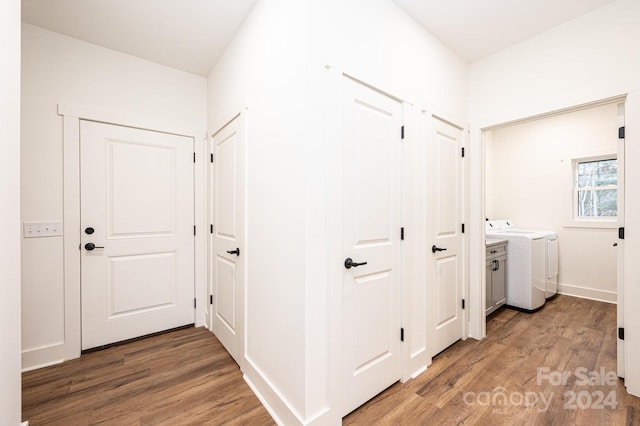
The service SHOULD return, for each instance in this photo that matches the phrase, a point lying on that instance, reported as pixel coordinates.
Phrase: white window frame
(603, 221)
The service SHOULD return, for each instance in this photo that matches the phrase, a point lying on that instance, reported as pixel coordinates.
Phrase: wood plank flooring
(181, 377)
(186, 377)
(465, 383)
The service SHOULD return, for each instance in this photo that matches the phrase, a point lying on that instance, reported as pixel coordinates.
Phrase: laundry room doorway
(564, 172)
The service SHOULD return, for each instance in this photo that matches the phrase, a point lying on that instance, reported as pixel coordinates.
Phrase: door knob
(435, 249)
(91, 246)
(236, 252)
(349, 263)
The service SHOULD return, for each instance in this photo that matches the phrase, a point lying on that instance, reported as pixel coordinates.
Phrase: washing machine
(551, 251)
(526, 266)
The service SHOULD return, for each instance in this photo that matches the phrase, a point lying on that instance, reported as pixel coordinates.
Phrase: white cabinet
(496, 272)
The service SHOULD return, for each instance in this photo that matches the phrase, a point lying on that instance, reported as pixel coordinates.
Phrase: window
(596, 188)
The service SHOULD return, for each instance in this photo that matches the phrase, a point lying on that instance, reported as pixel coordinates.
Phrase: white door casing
(620, 349)
(371, 234)
(228, 249)
(137, 195)
(446, 178)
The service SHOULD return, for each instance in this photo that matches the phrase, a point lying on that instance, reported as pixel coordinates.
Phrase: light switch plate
(41, 229)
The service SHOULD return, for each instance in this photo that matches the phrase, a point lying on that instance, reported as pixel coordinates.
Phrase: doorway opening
(564, 172)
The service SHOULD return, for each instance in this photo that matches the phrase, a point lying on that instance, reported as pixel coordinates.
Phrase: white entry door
(447, 240)
(228, 251)
(371, 229)
(137, 232)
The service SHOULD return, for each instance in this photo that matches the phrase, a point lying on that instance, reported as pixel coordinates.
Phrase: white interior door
(137, 210)
(371, 229)
(447, 250)
(228, 250)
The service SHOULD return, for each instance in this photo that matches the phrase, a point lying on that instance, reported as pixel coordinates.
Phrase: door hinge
(621, 132)
(462, 303)
(621, 333)
(211, 228)
(463, 152)
(194, 230)
(621, 233)
(211, 299)
(194, 157)
(212, 157)
(402, 132)
(463, 228)
(402, 233)
(194, 303)
(402, 334)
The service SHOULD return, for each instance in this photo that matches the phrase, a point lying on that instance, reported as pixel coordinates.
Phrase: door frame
(71, 116)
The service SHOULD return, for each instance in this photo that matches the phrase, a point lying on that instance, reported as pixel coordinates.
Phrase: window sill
(592, 224)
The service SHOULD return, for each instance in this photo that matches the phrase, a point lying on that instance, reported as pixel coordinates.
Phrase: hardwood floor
(465, 383)
(186, 377)
(182, 377)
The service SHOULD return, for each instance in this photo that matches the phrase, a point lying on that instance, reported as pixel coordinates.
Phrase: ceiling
(191, 35)
(476, 28)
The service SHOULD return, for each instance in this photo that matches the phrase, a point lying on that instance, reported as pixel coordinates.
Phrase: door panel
(371, 230)
(447, 271)
(137, 196)
(446, 175)
(226, 146)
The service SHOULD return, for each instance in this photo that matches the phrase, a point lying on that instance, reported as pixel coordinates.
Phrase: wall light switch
(41, 229)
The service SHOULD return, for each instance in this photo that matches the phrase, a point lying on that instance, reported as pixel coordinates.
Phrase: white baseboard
(588, 293)
(271, 398)
(32, 359)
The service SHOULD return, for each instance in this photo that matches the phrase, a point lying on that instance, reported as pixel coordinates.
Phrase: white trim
(333, 212)
(593, 224)
(631, 313)
(118, 118)
(415, 349)
(577, 220)
(587, 293)
(44, 356)
(621, 246)
(200, 240)
(71, 225)
(37, 366)
(271, 397)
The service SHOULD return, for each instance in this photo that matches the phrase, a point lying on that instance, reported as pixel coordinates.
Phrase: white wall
(276, 66)
(10, 383)
(530, 180)
(263, 69)
(57, 69)
(582, 61)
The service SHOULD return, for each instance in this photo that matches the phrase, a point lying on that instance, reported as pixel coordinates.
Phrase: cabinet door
(489, 298)
(498, 283)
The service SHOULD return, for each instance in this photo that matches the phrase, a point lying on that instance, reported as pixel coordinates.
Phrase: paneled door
(228, 251)
(137, 243)
(372, 252)
(447, 249)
